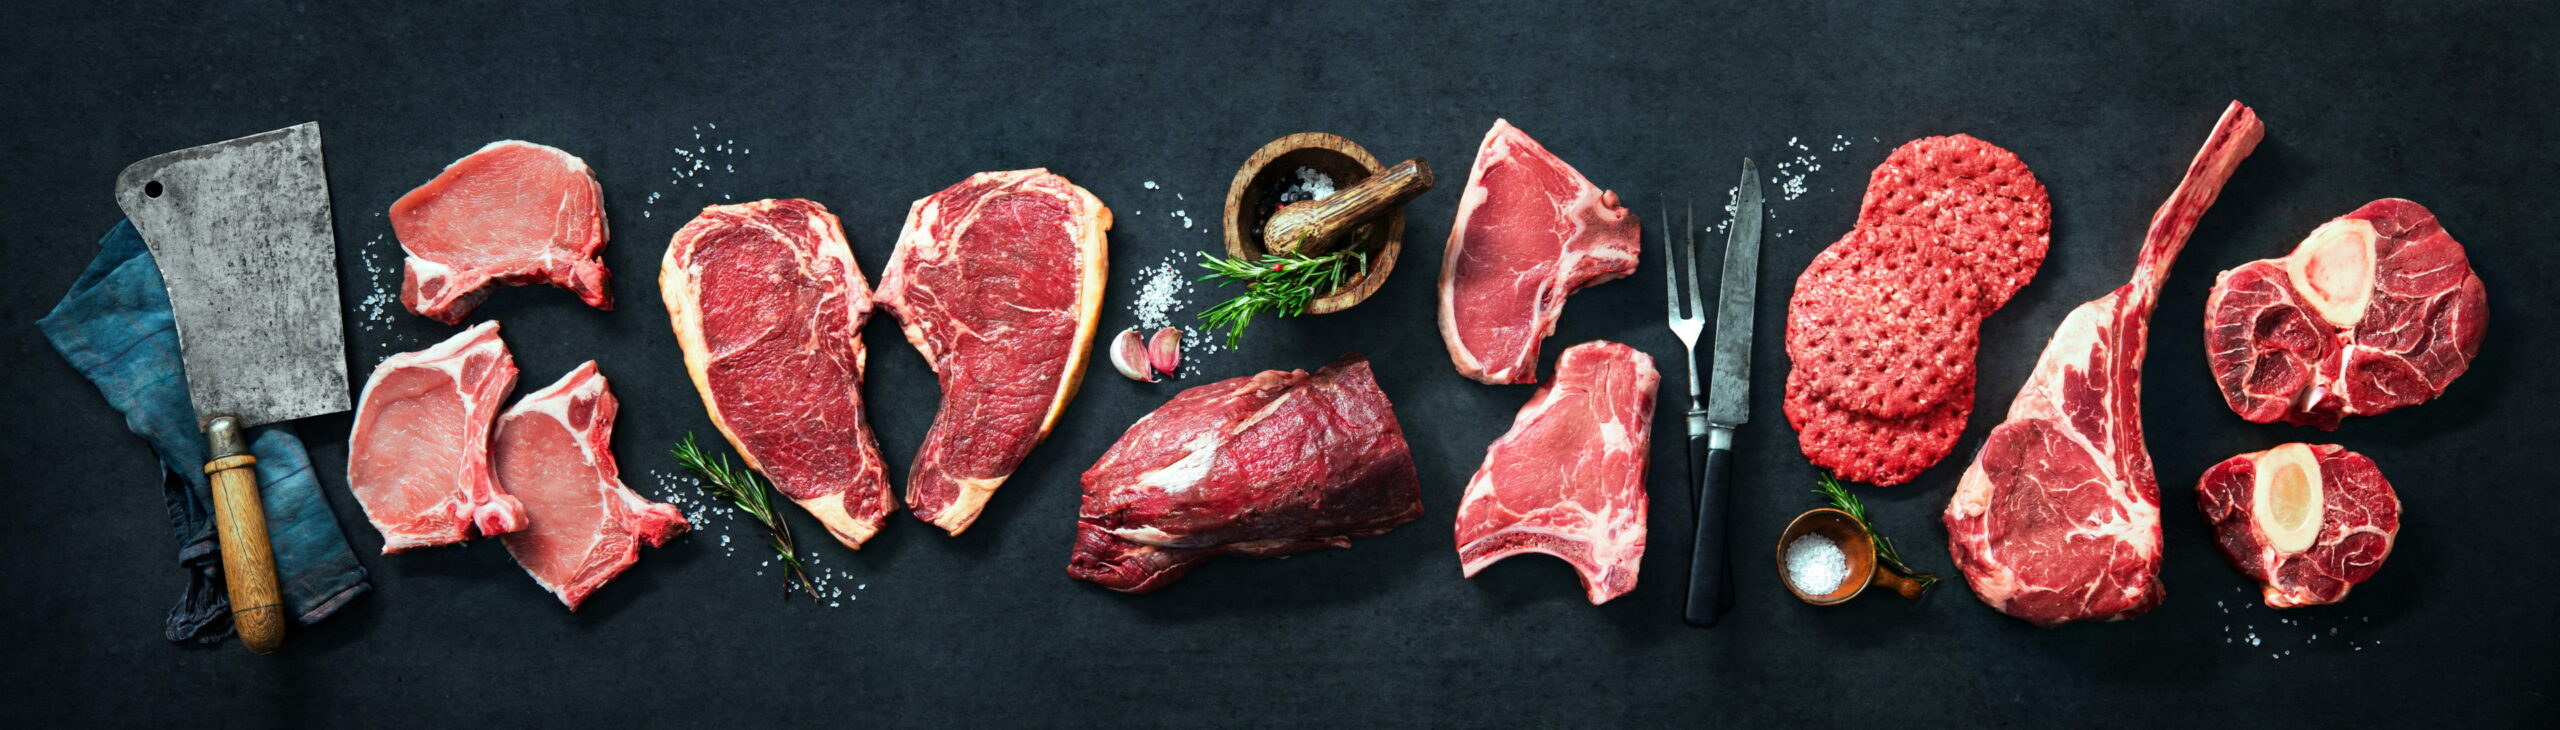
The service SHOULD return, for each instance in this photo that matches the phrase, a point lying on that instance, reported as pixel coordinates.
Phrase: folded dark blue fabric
(115, 327)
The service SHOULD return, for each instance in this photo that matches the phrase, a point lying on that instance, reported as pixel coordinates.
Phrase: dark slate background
(868, 108)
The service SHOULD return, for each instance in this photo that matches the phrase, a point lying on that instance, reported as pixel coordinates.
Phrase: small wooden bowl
(1249, 206)
(1843, 530)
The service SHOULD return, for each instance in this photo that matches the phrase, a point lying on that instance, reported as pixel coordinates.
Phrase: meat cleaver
(242, 233)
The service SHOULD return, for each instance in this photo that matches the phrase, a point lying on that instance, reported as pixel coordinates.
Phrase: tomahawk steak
(553, 450)
(2058, 518)
(2377, 310)
(512, 213)
(768, 307)
(2307, 522)
(1568, 479)
(998, 282)
(418, 455)
(1530, 231)
(1266, 465)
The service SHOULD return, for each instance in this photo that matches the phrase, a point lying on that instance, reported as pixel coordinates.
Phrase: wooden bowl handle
(248, 562)
(1907, 588)
(1316, 227)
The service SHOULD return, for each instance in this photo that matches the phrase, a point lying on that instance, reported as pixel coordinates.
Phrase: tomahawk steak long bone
(2058, 518)
(997, 281)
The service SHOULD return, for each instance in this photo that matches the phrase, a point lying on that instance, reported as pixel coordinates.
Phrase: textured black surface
(866, 109)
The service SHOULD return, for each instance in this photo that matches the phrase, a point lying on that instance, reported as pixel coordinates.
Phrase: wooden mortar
(1379, 238)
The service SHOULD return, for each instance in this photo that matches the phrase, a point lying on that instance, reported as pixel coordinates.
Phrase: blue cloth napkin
(115, 327)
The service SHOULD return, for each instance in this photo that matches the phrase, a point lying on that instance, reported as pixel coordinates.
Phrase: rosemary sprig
(1842, 500)
(1277, 284)
(752, 497)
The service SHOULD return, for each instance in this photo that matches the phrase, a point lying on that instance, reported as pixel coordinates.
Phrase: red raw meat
(1531, 230)
(2376, 310)
(512, 213)
(1266, 465)
(553, 450)
(2307, 522)
(2058, 518)
(1568, 479)
(1883, 326)
(998, 282)
(418, 455)
(768, 307)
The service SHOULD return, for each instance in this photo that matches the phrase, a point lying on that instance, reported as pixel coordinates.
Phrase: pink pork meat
(1531, 230)
(1568, 480)
(418, 455)
(512, 213)
(553, 451)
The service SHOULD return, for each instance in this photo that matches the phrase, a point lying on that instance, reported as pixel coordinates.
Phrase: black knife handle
(1709, 573)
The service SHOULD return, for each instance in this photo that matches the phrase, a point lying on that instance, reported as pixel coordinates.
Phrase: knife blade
(1729, 380)
(242, 233)
(1728, 406)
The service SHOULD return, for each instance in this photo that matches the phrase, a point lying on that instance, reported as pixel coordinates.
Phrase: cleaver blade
(242, 232)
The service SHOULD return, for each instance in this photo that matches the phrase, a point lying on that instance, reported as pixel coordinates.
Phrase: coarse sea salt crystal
(1815, 564)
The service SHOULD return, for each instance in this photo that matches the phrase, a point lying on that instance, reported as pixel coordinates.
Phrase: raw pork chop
(1266, 465)
(2307, 522)
(512, 213)
(1530, 231)
(998, 282)
(418, 455)
(1883, 325)
(553, 450)
(1568, 480)
(2377, 310)
(768, 307)
(2058, 518)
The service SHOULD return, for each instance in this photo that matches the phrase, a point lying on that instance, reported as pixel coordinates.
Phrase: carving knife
(1728, 406)
(242, 234)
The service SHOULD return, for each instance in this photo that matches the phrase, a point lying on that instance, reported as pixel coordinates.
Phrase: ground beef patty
(1883, 326)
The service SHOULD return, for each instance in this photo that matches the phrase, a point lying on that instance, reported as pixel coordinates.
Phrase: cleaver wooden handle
(248, 563)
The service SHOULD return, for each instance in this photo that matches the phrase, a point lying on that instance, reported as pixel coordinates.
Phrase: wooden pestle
(1316, 227)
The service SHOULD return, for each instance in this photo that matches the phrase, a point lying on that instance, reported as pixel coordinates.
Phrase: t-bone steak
(1883, 325)
(418, 455)
(512, 213)
(2058, 518)
(1530, 231)
(553, 450)
(997, 281)
(1568, 480)
(768, 307)
(2377, 310)
(2307, 522)
(1265, 465)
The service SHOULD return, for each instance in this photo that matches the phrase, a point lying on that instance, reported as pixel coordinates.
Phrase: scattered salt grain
(1815, 565)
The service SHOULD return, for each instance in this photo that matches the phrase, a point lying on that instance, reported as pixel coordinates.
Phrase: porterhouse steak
(2307, 522)
(2376, 310)
(553, 450)
(1266, 465)
(997, 281)
(2058, 518)
(1568, 479)
(512, 213)
(418, 455)
(1531, 230)
(768, 307)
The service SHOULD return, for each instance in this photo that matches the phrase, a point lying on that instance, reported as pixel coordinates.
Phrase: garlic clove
(1129, 356)
(1164, 351)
